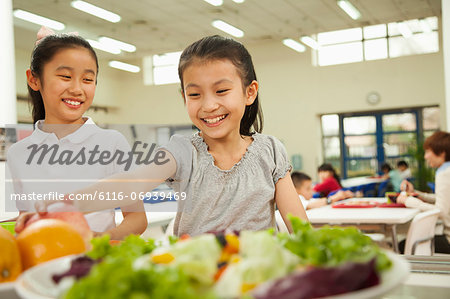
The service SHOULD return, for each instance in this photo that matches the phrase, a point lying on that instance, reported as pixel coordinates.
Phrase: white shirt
(405, 174)
(304, 201)
(45, 177)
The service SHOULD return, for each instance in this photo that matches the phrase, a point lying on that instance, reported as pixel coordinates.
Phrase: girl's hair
(386, 167)
(439, 143)
(42, 53)
(329, 167)
(216, 48)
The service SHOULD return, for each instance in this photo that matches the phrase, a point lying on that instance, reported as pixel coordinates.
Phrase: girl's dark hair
(218, 47)
(386, 166)
(329, 167)
(439, 143)
(42, 54)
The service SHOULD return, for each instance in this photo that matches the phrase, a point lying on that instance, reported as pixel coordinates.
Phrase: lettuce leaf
(331, 246)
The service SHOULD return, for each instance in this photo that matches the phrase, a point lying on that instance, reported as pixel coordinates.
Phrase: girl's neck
(227, 152)
(59, 129)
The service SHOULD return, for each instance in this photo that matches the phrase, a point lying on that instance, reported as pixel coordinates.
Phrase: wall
(292, 91)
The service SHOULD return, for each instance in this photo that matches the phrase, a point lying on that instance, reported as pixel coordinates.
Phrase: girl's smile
(214, 121)
(215, 97)
(67, 85)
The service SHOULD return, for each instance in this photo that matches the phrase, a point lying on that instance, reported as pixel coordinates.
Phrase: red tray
(391, 205)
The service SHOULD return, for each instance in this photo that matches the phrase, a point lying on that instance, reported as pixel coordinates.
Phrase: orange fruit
(10, 264)
(48, 239)
(75, 219)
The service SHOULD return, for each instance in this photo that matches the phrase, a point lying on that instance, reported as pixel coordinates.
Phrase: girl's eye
(88, 80)
(193, 94)
(65, 76)
(222, 90)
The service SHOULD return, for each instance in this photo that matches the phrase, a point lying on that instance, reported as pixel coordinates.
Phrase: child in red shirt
(329, 180)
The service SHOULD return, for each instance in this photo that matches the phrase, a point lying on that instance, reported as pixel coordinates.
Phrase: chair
(382, 188)
(369, 190)
(432, 186)
(420, 237)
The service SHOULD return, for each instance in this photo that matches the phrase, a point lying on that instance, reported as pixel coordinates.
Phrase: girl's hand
(21, 220)
(407, 186)
(42, 206)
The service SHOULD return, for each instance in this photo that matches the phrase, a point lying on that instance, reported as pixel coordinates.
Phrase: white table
(360, 181)
(389, 218)
(159, 214)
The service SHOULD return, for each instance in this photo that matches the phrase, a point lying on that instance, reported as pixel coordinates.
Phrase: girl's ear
(252, 92)
(33, 81)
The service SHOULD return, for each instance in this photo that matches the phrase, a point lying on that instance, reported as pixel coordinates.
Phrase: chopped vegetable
(331, 246)
(320, 282)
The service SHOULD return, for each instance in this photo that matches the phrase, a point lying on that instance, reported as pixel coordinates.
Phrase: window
(369, 139)
(381, 41)
(161, 69)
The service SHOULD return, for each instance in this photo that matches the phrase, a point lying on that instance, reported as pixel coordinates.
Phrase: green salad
(227, 265)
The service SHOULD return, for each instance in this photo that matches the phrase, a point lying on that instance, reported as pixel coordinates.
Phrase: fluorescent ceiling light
(104, 47)
(349, 9)
(225, 27)
(96, 11)
(310, 42)
(31, 17)
(294, 45)
(239, 1)
(124, 66)
(117, 44)
(214, 2)
(404, 30)
(424, 26)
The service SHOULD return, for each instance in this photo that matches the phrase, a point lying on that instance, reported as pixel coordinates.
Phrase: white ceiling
(158, 26)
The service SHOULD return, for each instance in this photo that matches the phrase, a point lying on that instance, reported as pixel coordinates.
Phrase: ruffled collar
(202, 147)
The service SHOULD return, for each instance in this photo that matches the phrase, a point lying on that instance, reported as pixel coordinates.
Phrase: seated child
(329, 180)
(404, 170)
(303, 186)
(393, 176)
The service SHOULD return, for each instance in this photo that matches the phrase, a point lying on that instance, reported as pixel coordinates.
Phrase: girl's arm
(126, 187)
(134, 222)
(287, 200)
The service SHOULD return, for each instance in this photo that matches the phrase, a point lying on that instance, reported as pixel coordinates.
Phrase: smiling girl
(232, 175)
(62, 80)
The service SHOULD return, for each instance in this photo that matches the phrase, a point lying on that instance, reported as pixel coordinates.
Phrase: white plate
(36, 283)
(6, 286)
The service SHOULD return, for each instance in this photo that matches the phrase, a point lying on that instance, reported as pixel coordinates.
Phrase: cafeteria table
(387, 218)
(361, 181)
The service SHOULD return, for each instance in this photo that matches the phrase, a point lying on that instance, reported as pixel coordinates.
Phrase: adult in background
(437, 155)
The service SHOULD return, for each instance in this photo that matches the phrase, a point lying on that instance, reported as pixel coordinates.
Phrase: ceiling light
(349, 9)
(104, 47)
(214, 2)
(310, 42)
(31, 17)
(117, 44)
(239, 1)
(124, 66)
(294, 45)
(404, 30)
(425, 26)
(225, 27)
(96, 11)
